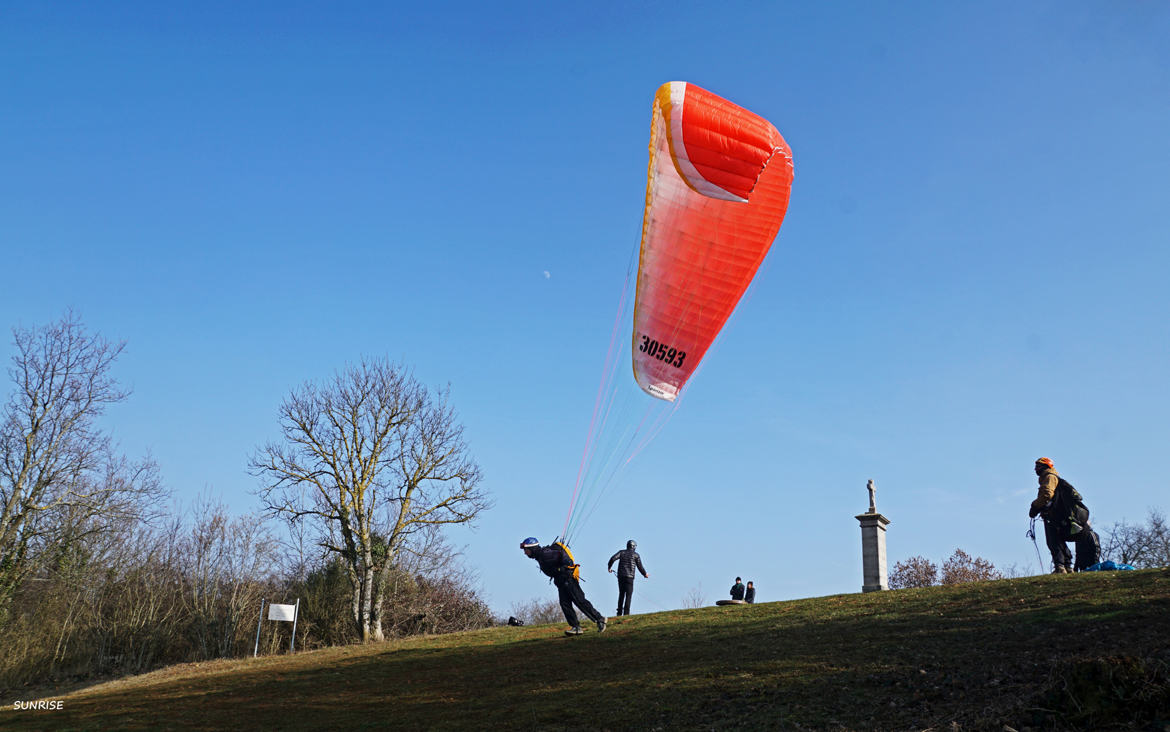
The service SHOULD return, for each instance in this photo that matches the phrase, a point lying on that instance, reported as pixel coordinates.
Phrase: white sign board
(282, 612)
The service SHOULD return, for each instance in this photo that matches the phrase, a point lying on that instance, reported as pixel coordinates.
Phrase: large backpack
(1067, 511)
(573, 567)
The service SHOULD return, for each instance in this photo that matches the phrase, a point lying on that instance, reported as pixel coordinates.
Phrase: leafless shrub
(1013, 571)
(226, 564)
(183, 592)
(959, 568)
(112, 608)
(962, 567)
(913, 572)
(440, 605)
(695, 598)
(428, 590)
(538, 612)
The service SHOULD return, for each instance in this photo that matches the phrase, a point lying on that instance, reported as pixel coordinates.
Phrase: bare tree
(372, 457)
(1144, 546)
(60, 478)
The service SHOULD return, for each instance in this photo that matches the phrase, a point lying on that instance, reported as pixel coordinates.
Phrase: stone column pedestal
(873, 551)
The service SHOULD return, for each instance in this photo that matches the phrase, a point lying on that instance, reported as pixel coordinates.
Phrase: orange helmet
(1044, 461)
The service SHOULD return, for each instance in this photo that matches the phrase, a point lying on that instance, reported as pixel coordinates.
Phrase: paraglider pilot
(555, 563)
(1066, 518)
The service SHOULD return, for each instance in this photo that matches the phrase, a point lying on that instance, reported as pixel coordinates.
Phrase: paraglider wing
(716, 194)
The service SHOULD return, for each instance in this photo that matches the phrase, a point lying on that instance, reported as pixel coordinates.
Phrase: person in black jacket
(555, 563)
(750, 595)
(737, 589)
(627, 560)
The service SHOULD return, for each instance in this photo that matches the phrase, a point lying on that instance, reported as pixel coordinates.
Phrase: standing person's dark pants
(1054, 537)
(569, 591)
(625, 594)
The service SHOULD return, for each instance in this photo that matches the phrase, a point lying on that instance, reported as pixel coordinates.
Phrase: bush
(190, 591)
(326, 614)
(538, 612)
(960, 568)
(913, 572)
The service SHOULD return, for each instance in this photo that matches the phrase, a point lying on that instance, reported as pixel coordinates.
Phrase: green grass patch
(1088, 651)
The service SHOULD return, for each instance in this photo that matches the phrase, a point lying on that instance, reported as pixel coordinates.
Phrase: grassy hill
(1088, 651)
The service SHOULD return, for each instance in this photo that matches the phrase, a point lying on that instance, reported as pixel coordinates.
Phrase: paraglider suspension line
(1031, 534)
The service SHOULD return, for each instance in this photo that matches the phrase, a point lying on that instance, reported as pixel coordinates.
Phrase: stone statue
(872, 505)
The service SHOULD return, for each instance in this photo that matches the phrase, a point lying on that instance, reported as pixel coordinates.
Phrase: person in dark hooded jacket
(627, 560)
(555, 563)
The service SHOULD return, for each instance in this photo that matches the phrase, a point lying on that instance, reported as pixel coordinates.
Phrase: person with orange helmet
(1066, 518)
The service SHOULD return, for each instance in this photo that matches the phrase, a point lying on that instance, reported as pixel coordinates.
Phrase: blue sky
(971, 274)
